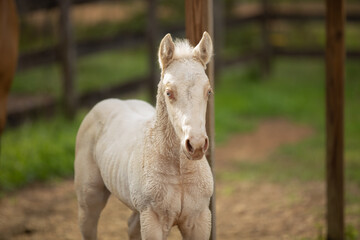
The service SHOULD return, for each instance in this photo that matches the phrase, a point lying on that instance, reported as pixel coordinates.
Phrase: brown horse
(9, 37)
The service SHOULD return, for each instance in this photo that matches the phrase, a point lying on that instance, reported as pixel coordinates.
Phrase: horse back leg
(91, 193)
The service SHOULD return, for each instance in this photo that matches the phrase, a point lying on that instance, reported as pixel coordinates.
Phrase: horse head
(186, 90)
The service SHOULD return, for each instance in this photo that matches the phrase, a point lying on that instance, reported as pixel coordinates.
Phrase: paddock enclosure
(278, 75)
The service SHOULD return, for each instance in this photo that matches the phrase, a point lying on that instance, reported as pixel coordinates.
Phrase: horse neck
(162, 133)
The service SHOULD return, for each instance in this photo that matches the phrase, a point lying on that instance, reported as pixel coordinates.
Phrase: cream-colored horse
(151, 159)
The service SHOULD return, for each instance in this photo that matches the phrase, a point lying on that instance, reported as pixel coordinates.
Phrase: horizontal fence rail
(47, 105)
(124, 40)
(25, 6)
(83, 48)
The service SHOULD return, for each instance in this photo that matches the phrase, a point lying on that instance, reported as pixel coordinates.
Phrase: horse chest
(179, 195)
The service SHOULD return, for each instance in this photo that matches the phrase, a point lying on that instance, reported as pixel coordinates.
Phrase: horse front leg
(134, 226)
(151, 227)
(196, 227)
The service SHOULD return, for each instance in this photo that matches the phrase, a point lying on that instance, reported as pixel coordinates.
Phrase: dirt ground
(244, 210)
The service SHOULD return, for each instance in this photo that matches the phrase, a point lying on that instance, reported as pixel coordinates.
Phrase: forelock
(183, 49)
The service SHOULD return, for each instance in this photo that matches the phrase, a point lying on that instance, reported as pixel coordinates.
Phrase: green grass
(295, 91)
(93, 72)
(39, 150)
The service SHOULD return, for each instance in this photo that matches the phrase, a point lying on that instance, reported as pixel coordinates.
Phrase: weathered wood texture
(9, 38)
(199, 18)
(219, 36)
(152, 33)
(335, 60)
(265, 36)
(67, 57)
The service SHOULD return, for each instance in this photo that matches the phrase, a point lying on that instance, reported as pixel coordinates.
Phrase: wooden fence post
(152, 34)
(67, 58)
(266, 44)
(219, 33)
(335, 59)
(199, 18)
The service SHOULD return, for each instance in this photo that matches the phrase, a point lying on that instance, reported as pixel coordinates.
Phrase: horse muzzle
(196, 147)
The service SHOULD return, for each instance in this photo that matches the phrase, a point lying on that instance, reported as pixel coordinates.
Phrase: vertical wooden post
(266, 45)
(219, 33)
(335, 59)
(152, 33)
(67, 58)
(9, 45)
(199, 18)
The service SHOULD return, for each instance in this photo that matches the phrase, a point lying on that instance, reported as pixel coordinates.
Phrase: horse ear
(204, 50)
(166, 51)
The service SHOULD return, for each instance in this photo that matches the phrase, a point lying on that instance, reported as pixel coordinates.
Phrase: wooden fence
(263, 15)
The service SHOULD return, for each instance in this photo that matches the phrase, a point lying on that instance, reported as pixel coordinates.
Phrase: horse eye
(209, 92)
(170, 94)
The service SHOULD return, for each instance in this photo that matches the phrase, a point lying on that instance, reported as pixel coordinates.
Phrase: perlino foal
(146, 156)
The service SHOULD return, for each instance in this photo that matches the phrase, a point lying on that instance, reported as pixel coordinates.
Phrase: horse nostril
(206, 145)
(189, 148)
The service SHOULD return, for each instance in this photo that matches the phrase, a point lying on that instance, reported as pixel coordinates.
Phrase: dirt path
(245, 210)
(264, 141)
